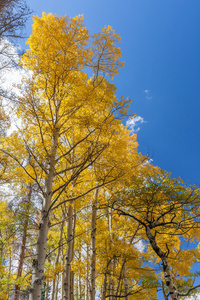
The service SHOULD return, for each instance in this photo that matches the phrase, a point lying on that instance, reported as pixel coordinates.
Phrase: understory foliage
(83, 214)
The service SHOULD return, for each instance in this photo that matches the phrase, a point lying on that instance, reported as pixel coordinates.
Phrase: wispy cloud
(134, 123)
(147, 94)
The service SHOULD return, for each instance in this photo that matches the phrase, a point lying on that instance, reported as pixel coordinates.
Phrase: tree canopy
(89, 215)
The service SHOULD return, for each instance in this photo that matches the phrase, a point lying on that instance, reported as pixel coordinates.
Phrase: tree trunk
(71, 285)
(57, 260)
(72, 272)
(104, 287)
(47, 291)
(69, 255)
(93, 248)
(119, 280)
(79, 277)
(56, 291)
(23, 247)
(9, 274)
(39, 261)
(86, 289)
(111, 289)
(62, 274)
(173, 292)
(87, 275)
(21, 260)
(111, 286)
(163, 289)
(125, 282)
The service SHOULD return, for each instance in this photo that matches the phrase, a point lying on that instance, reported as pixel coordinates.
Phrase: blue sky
(160, 46)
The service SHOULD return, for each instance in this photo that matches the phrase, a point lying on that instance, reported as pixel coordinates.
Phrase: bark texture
(23, 247)
(173, 292)
(68, 276)
(57, 261)
(93, 248)
(126, 292)
(79, 277)
(39, 261)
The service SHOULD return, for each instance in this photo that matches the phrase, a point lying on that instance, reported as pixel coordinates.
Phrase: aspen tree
(57, 261)
(23, 245)
(93, 247)
(165, 210)
(79, 276)
(87, 292)
(63, 112)
(68, 279)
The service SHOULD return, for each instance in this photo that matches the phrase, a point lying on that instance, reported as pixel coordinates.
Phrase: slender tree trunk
(63, 274)
(21, 260)
(86, 289)
(173, 292)
(112, 262)
(111, 289)
(87, 275)
(104, 287)
(53, 288)
(72, 272)
(47, 290)
(163, 289)
(23, 247)
(71, 285)
(119, 280)
(79, 287)
(57, 282)
(79, 277)
(68, 258)
(69, 255)
(125, 282)
(93, 248)
(39, 261)
(57, 260)
(9, 274)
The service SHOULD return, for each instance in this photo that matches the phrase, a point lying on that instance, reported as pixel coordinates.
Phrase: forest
(83, 214)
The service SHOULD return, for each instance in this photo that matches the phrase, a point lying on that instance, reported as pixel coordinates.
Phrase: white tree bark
(79, 277)
(87, 275)
(57, 260)
(93, 247)
(23, 246)
(47, 290)
(39, 261)
(125, 282)
(68, 288)
(111, 285)
(86, 289)
(57, 285)
(63, 274)
(173, 292)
